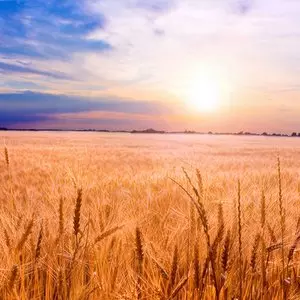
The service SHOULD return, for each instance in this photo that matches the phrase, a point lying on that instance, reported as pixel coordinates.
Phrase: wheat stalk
(173, 271)
(204, 220)
(61, 217)
(200, 183)
(12, 277)
(60, 284)
(292, 249)
(263, 243)
(25, 235)
(179, 287)
(107, 233)
(10, 282)
(196, 267)
(272, 234)
(240, 240)
(254, 252)
(298, 226)
(282, 225)
(39, 244)
(7, 239)
(161, 269)
(274, 247)
(263, 209)
(140, 258)
(225, 253)
(220, 233)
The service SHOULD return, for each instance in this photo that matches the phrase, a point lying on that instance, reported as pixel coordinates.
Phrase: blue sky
(47, 29)
(124, 64)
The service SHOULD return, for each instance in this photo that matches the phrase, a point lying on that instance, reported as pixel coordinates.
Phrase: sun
(204, 95)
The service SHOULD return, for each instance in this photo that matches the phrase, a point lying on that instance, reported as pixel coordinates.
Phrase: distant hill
(150, 130)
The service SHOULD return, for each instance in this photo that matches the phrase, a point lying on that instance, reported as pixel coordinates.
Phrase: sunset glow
(157, 59)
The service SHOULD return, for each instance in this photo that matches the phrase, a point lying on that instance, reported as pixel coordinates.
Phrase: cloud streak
(13, 68)
(30, 107)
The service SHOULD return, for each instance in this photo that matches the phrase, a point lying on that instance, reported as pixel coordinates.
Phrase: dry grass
(114, 216)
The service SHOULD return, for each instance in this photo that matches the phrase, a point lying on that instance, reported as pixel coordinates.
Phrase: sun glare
(204, 95)
(207, 88)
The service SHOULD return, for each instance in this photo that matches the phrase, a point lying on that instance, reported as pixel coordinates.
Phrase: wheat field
(122, 216)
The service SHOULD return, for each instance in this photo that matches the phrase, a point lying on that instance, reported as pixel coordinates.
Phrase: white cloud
(165, 49)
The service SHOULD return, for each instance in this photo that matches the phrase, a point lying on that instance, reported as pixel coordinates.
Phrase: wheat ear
(77, 212)
(6, 156)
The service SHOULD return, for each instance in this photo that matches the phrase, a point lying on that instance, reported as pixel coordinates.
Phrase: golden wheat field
(123, 216)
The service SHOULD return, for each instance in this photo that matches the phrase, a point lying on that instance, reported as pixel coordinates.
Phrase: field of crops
(123, 216)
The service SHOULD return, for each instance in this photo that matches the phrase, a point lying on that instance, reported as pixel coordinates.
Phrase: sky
(136, 64)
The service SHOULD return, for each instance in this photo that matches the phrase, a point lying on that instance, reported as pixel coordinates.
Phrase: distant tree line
(151, 130)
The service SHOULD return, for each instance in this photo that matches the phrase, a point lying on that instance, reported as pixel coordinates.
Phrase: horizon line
(153, 131)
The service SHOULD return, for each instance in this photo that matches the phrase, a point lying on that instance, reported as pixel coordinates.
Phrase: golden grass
(114, 216)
